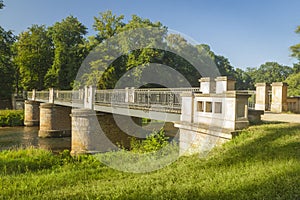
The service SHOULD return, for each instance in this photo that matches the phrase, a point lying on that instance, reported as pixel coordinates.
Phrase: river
(22, 137)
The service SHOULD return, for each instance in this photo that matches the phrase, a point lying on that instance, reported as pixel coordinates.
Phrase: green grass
(263, 162)
(11, 117)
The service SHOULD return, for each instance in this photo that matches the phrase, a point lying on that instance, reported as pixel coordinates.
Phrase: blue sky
(248, 33)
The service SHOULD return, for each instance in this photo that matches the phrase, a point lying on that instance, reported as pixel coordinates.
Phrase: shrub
(154, 142)
(11, 117)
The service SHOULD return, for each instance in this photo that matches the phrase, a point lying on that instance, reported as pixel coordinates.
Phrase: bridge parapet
(157, 99)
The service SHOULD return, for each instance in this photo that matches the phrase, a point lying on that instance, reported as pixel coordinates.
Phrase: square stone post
(262, 97)
(51, 95)
(224, 84)
(187, 107)
(129, 95)
(279, 97)
(207, 85)
(33, 95)
(89, 97)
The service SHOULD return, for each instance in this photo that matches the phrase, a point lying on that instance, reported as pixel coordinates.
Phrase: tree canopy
(43, 57)
(6, 65)
(69, 52)
(34, 56)
(270, 72)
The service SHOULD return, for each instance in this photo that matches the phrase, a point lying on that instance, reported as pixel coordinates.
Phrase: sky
(247, 32)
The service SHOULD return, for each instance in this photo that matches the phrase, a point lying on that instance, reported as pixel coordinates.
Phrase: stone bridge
(209, 114)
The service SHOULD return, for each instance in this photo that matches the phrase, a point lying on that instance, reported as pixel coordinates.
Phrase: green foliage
(261, 163)
(34, 56)
(154, 142)
(243, 80)
(294, 84)
(11, 117)
(296, 48)
(6, 66)
(107, 25)
(270, 72)
(69, 52)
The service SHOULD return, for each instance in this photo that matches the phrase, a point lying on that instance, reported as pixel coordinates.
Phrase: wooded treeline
(42, 57)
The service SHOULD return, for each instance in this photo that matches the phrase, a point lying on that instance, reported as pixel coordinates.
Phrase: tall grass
(263, 162)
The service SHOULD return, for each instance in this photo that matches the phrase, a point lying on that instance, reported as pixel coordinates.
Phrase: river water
(22, 137)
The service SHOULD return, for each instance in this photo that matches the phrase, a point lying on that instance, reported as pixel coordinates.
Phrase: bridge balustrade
(42, 95)
(158, 99)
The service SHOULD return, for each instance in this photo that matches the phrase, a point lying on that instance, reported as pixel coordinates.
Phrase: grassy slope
(262, 163)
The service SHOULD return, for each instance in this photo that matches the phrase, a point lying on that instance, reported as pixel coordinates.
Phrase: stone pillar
(51, 95)
(32, 113)
(88, 137)
(55, 121)
(89, 97)
(262, 97)
(207, 85)
(187, 107)
(129, 95)
(279, 97)
(224, 84)
(99, 132)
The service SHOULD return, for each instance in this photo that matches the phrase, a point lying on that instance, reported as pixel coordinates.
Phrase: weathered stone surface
(208, 119)
(262, 97)
(279, 97)
(224, 84)
(199, 138)
(32, 113)
(101, 132)
(55, 121)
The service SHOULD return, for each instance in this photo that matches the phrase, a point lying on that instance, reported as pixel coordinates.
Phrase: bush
(11, 117)
(154, 142)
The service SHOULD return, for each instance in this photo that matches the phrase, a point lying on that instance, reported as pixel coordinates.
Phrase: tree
(296, 48)
(34, 56)
(70, 50)
(107, 25)
(1, 4)
(294, 79)
(6, 66)
(270, 72)
(294, 84)
(122, 56)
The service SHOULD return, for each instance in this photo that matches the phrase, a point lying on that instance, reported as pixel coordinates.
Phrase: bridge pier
(99, 132)
(32, 113)
(55, 121)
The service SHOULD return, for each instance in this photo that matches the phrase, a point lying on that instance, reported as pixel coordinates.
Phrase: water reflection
(22, 137)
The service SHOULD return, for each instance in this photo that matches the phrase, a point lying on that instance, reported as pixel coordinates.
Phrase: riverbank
(263, 162)
(11, 118)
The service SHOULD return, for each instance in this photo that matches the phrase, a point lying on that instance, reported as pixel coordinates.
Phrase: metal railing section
(157, 99)
(42, 95)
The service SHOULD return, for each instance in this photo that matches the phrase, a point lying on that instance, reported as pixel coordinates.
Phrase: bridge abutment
(32, 113)
(55, 120)
(209, 119)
